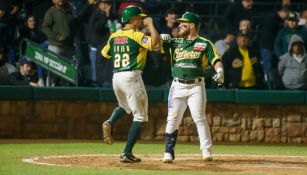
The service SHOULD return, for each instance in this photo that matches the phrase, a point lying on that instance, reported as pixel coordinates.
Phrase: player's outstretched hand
(219, 76)
(148, 21)
(165, 37)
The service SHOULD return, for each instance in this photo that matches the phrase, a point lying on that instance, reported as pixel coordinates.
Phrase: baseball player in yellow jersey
(189, 56)
(127, 48)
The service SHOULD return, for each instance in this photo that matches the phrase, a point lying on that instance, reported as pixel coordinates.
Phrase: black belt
(191, 81)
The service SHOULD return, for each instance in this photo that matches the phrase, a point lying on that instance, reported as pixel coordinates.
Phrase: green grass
(11, 155)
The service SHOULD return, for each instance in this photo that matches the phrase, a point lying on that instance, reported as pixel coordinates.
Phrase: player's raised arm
(155, 44)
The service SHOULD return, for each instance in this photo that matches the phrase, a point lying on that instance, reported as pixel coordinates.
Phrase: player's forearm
(219, 76)
(155, 38)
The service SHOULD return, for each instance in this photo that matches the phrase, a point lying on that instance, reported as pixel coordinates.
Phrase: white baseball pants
(194, 96)
(131, 94)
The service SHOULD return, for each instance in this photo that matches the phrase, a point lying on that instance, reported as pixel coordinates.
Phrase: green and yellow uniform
(128, 50)
(189, 58)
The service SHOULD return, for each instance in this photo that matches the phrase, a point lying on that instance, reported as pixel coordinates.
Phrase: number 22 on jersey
(121, 60)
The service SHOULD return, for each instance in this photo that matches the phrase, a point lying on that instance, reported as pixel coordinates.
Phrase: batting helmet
(190, 17)
(130, 12)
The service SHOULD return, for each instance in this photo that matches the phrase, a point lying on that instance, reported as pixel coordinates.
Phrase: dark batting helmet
(131, 11)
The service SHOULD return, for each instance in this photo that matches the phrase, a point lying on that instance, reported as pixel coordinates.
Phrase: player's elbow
(156, 47)
(105, 55)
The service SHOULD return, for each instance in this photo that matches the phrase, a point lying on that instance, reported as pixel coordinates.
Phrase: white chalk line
(35, 160)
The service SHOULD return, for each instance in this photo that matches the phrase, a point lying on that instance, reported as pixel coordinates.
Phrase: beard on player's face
(184, 29)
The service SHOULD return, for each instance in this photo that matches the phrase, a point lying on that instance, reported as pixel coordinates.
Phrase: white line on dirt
(160, 155)
(181, 155)
(34, 160)
(280, 166)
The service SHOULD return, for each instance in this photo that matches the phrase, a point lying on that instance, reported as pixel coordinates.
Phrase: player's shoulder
(122, 33)
(114, 35)
(118, 33)
(137, 34)
(130, 33)
(203, 39)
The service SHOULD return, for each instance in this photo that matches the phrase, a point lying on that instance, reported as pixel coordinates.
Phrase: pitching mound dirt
(221, 163)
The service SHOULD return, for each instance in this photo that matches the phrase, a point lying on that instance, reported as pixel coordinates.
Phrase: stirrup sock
(170, 142)
(134, 132)
(117, 114)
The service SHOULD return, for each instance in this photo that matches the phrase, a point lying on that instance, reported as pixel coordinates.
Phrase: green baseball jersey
(128, 50)
(189, 58)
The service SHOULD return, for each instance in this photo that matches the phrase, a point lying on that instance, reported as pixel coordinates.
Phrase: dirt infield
(187, 162)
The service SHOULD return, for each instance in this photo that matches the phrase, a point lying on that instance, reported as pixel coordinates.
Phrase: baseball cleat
(168, 158)
(207, 155)
(107, 129)
(129, 158)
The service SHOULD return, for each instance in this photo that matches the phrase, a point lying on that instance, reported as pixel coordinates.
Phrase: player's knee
(140, 118)
(173, 123)
(171, 128)
(199, 120)
(122, 110)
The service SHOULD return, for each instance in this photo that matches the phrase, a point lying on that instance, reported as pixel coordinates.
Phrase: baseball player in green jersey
(189, 56)
(127, 48)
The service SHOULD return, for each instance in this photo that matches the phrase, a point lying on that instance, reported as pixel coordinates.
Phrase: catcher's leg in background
(197, 105)
(176, 107)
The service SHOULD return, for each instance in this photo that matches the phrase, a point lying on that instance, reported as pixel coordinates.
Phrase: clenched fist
(148, 21)
(219, 76)
(165, 37)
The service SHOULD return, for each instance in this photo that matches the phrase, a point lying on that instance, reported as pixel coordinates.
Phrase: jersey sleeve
(143, 41)
(211, 55)
(106, 52)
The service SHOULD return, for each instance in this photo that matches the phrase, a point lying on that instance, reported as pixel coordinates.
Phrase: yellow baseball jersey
(128, 50)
